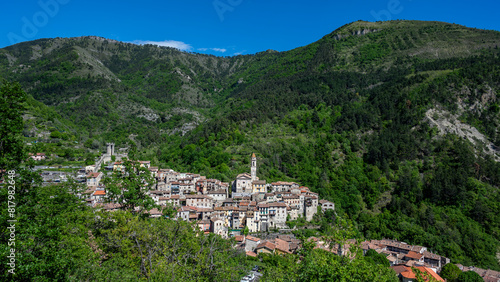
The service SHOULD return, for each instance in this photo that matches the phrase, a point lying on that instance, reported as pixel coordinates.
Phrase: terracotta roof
(252, 254)
(325, 202)
(220, 191)
(239, 238)
(399, 268)
(205, 209)
(276, 204)
(431, 255)
(285, 238)
(188, 208)
(253, 155)
(266, 244)
(111, 206)
(154, 211)
(244, 175)
(93, 174)
(282, 245)
(100, 193)
(413, 255)
(407, 272)
(197, 197)
(251, 238)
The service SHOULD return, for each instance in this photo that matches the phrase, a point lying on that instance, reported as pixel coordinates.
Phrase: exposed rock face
(355, 32)
(449, 123)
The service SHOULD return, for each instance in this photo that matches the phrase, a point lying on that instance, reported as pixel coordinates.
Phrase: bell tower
(253, 168)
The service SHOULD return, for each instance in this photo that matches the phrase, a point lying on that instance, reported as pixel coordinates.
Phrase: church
(248, 183)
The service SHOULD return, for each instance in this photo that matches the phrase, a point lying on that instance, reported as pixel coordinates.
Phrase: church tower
(253, 168)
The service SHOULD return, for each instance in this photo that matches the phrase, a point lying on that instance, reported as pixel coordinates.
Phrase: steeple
(253, 168)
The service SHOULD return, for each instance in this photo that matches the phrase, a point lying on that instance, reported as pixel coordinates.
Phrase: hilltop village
(252, 204)
(216, 206)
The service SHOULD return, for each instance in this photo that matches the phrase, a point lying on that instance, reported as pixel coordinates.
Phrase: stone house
(251, 243)
(218, 195)
(201, 201)
(94, 178)
(217, 226)
(98, 196)
(173, 200)
(259, 186)
(326, 205)
(265, 247)
(204, 225)
(277, 214)
(310, 207)
(186, 188)
(292, 201)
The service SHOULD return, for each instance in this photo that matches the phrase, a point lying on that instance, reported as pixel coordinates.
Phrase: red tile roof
(267, 245)
(407, 272)
(251, 238)
(414, 255)
(100, 193)
(252, 254)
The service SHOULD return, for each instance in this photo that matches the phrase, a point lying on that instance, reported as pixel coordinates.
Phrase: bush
(469, 276)
(450, 272)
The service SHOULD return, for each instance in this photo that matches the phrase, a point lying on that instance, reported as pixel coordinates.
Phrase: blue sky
(223, 27)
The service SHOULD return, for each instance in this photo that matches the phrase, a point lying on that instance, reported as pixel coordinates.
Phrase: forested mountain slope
(397, 122)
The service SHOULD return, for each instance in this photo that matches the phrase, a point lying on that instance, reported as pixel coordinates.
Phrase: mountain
(396, 122)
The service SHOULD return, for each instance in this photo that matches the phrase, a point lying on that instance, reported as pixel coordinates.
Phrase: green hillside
(396, 122)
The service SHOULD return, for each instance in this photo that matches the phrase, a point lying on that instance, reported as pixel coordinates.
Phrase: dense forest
(57, 237)
(376, 117)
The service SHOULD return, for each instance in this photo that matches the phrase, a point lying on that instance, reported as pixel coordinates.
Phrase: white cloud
(167, 43)
(222, 50)
(239, 53)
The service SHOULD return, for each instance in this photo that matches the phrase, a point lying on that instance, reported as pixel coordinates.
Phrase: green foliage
(469, 276)
(55, 134)
(321, 265)
(12, 99)
(128, 187)
(344, 116)
(70, 241)
(377, 258)
(450, 272)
